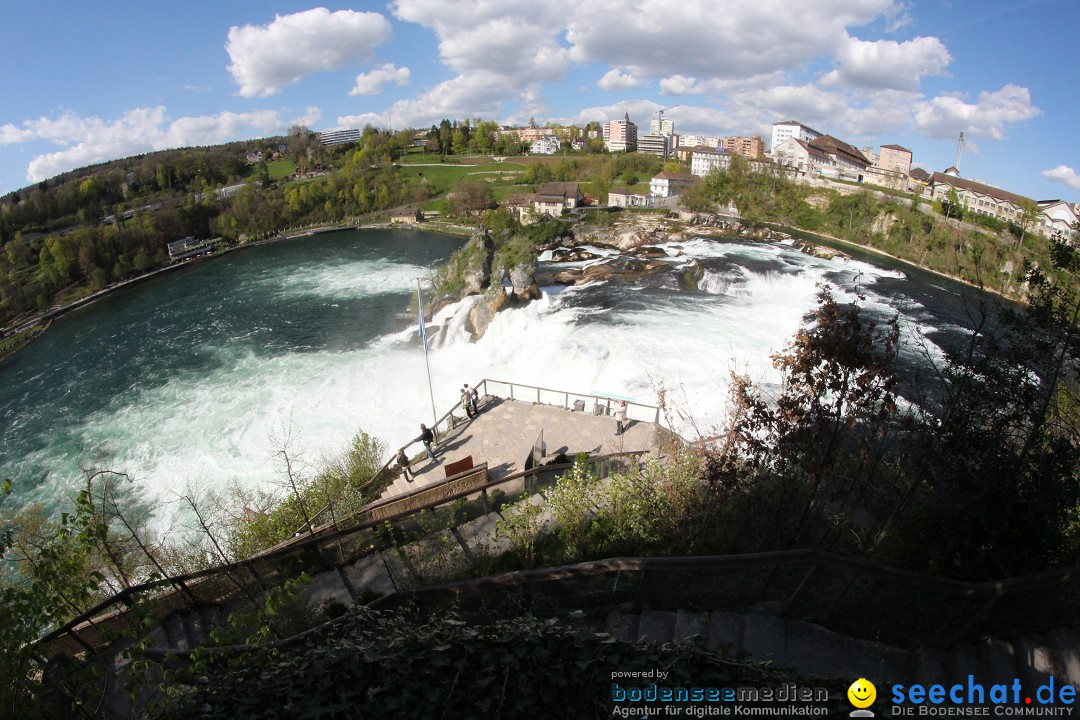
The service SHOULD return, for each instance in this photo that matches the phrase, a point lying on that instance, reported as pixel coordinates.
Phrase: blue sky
(88, 82)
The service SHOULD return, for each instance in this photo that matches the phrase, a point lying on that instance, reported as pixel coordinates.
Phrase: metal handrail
(297, 545)
(449, 418)
(567, 395)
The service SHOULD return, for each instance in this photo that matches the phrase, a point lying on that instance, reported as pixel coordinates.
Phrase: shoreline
(894, 258)
(44, 319)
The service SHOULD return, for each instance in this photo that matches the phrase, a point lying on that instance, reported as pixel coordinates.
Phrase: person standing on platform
(474, 399)
(427, 437)
(466, 401)
(403, 463)
(620, 417)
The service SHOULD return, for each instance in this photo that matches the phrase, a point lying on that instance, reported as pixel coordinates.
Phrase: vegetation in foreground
(407, 665)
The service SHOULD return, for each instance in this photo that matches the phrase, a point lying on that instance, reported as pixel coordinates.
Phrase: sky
(89, 82)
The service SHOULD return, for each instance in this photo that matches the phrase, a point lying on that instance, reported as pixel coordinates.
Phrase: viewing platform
(517, 423)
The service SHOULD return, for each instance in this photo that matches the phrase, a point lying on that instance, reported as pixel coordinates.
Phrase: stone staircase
(814, 650)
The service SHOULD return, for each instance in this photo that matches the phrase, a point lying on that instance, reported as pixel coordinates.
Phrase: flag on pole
(422, 331)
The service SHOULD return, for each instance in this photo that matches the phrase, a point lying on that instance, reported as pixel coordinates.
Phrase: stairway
(812, 649)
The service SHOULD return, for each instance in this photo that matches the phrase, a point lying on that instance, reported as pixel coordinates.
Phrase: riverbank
(841, 244)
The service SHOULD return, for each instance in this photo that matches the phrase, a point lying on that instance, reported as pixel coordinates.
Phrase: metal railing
(454, 418)
(600, 404)
(329, 548)
(336, 543)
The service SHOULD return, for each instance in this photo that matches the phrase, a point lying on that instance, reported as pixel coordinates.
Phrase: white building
(704, 160)
(799, 156)
(339, 137)
(781, 131)
(654, 145)
(1057, 216)
(546, 145)
(662, 127)
(667, 184)
(695, 140)
(622, 197)
(982, 199)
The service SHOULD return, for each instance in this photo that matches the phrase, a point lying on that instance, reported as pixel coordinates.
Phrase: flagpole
(423, 339)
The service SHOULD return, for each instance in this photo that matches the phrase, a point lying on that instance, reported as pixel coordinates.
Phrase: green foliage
(403, 665)
(522, 526)
(263, 518)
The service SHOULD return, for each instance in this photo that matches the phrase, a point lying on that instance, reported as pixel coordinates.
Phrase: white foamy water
(214, 426)
(347, 281)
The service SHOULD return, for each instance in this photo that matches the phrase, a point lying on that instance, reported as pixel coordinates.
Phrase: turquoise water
(196, 376)
(171, 379)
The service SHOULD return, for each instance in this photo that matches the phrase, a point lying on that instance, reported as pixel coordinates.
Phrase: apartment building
(895, 158)
(749, 147)
(781, 131)
(620, 135)
(654, 145)
(704, 160)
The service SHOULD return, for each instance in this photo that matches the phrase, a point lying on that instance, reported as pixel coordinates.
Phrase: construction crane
(660, 118)
(660, 125)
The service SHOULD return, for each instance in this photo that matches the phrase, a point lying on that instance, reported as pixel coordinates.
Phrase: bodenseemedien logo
(862, 694)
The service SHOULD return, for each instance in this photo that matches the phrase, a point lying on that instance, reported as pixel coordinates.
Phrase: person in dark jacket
(427, 437)
(403, 463)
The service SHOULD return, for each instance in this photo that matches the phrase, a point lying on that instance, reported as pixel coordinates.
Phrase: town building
(654, 145)
(1057, 216)
(1053, 215)
(749, 147)
(190, 247)
(668, 184)
(895, 158)
(550, 201)
(622, 197)
(799, 157)
(781, 131)
(339, 137)
(662, 127)
(919, 175)
(695, 140)
(545, 145)
(845, 161)
(620, 135)
(408, 216)
(704, 160)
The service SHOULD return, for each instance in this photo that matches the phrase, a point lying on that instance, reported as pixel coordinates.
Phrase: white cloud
(309, 119)
(348, 122)
(372, 83)
(1063, 174)
(88, 140)
(680, 85)
(265, 57)
(500, 50)
(615, 79)
(715, 39)
(886, 64)
(947, 115)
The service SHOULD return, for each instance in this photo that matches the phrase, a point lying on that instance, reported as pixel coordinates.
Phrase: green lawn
(442, 178)
(281, 168)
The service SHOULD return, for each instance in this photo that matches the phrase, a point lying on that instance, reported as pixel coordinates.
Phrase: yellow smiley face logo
(862, 693)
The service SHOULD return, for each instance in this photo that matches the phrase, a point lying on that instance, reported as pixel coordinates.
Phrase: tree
(1029, 214)
(472, 198)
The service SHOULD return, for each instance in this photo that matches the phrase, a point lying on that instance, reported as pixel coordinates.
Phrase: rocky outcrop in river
(627, 251)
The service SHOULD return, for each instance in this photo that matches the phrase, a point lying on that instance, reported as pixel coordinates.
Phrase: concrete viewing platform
(505, 430)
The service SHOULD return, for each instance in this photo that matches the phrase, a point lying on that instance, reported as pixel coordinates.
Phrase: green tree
(1029, 215)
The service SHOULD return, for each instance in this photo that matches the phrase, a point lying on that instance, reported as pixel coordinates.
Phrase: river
(187, 378)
